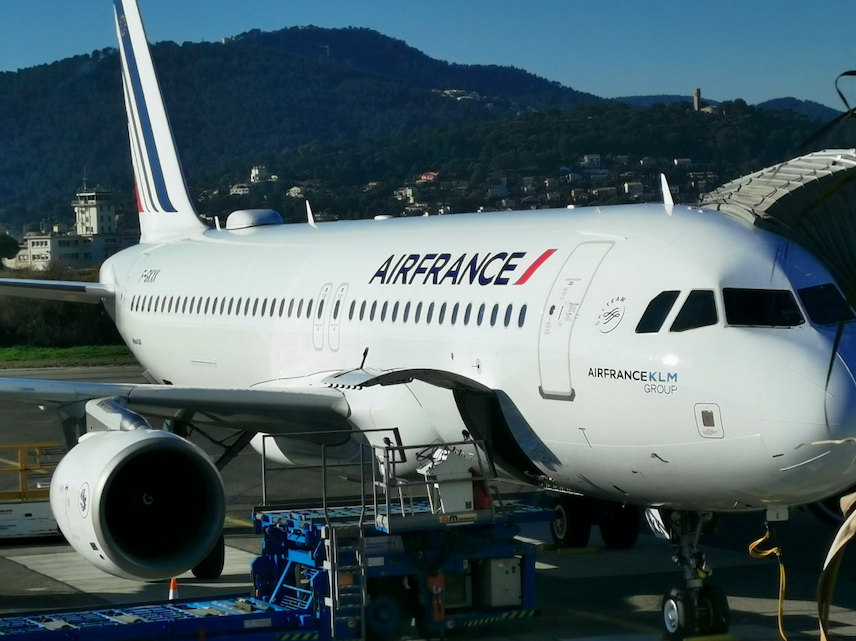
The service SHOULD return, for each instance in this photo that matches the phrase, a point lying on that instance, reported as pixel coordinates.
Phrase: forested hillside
(339, 108)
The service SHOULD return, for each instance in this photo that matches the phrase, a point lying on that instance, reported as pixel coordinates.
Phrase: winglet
(162, 198)
(667, 193)
(309, 217)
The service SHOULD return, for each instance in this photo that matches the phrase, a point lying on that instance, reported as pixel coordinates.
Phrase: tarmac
(587, 594)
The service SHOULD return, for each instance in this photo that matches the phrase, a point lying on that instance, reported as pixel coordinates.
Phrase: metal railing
(29, 462)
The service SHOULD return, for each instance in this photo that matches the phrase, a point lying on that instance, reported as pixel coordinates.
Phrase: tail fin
(162, 198)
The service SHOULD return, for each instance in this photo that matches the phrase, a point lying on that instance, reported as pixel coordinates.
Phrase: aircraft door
(318, 320)
(559, 315)
(336, 318)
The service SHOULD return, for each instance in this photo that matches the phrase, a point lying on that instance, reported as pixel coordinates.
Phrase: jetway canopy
(810, 200)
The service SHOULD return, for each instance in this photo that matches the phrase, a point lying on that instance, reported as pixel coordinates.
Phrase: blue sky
(750, 49)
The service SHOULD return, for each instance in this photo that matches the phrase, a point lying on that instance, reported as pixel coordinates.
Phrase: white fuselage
(718, 417)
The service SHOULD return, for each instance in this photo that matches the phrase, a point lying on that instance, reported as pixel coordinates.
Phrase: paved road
(582, 595)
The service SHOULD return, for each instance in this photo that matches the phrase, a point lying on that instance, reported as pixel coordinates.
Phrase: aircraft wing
(272, 411)
(70, 291)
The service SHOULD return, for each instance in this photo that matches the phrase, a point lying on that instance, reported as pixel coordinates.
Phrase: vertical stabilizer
(162, 198)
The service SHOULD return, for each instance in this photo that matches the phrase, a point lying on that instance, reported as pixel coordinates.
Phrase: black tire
(387, 616)
(679, 619)
(572, 525)
(211, 567)
(713, 614)
(619, 527)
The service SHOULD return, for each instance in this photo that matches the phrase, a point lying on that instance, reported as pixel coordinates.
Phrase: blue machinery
(369, 567)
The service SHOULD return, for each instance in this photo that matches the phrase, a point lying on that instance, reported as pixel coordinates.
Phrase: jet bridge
(809, 200)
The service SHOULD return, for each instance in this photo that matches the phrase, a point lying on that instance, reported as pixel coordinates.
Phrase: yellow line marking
(237, 522)
(603, 618)
(9, 463)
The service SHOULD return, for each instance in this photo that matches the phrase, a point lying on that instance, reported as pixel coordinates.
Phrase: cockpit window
(761, 307)
(825, 304)
(656, 312)
(699, 310)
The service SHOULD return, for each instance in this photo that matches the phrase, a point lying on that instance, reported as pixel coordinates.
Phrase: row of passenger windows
(367, 310)
(746, 307)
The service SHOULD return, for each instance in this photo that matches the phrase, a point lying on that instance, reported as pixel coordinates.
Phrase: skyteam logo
(467, 269)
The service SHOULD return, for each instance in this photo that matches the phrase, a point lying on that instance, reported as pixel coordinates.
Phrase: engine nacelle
(142, 504)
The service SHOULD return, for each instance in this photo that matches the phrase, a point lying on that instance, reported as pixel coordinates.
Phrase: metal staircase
(346, 572)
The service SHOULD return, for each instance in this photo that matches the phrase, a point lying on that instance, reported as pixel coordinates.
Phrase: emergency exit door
(560, 314)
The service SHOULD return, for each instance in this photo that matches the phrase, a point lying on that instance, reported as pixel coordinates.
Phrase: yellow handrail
(25, 459)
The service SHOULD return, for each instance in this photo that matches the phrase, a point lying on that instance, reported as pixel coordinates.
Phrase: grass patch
(65, 357)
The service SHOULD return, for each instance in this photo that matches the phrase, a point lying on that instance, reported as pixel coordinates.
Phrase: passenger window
(320, 308)
(272, 307)
(493, 314)
(430, 313)
(455, 313)
(507, 319)
(149, 306)
(480, 316)
(655, 314)
(237, 307)
(299, 308)
(351, 311)
(521, 318)
(222, 305)
(699, 310)
(309, 309)
(264, 307)
(163, 304)
(467, 313)
(383, 311)
(761, 307)
(281, 307)
(214, 306)
(290, 307)
(199, 305)
(157, 300)
(169, 306)
(231, 304)
(336, 309)
(825, 304)
(207, 303)
(442, 314)
(406, 312)
(362, 310)
(184, 305)
(372, 312)
(394, 312)
(418, 313)
(255, 306)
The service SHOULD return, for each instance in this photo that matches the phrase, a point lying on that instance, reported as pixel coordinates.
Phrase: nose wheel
(697, 607)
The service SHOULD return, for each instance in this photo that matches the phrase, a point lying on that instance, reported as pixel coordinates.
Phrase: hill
(663, 99)
(814, 110)
(241, 102)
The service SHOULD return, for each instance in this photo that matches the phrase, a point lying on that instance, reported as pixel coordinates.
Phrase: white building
(94, 212)
(93, 240)
(241, 189)
(258, 174)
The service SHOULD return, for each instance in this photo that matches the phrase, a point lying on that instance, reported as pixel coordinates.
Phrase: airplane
(663, 356)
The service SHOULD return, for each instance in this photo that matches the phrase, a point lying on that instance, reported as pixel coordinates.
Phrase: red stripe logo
(538, 262)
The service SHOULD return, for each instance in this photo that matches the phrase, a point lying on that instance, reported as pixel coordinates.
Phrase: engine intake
(142, 504)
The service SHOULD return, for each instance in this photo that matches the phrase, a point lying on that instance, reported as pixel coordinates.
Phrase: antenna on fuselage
(309, 217)
(667, 192)
(365, 356)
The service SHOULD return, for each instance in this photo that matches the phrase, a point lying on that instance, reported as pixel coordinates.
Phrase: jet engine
(139, 504)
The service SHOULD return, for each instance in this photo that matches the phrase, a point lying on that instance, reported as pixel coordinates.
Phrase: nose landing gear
(696, 607)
